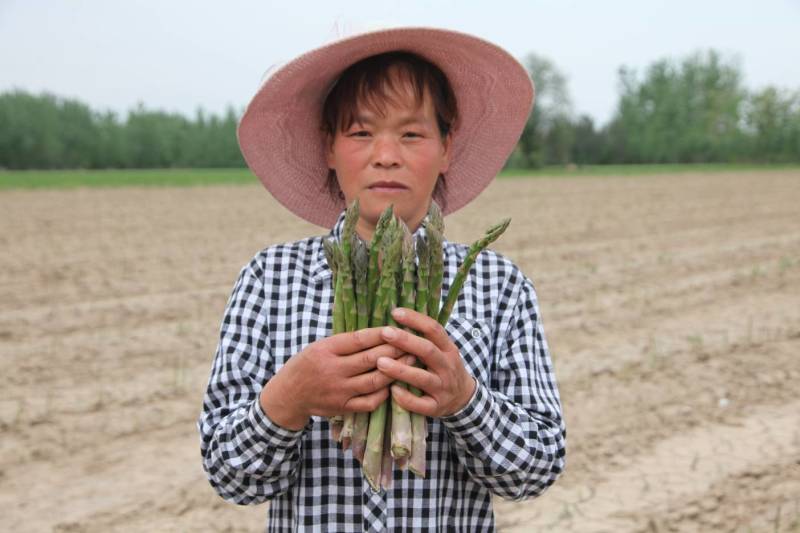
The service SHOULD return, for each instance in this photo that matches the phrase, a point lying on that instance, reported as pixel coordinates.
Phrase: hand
(446, 383)
(330, 377)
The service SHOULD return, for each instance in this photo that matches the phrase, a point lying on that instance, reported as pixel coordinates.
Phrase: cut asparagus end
(373, 454)
(359, 442)
(387, 470)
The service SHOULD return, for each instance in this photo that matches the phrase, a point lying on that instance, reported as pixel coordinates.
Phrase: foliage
(686, 113)
(693, 110)
(547, 134)
(47, 132)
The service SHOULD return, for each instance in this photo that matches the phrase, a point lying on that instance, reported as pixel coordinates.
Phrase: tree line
(692, 110)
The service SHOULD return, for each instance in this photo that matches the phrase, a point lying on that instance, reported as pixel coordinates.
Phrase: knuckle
(358, 337)
(375, 382)
(430, 349)
(431, 327)
(367, 359)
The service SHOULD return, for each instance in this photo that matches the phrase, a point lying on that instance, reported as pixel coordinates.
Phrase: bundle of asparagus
(369, 281)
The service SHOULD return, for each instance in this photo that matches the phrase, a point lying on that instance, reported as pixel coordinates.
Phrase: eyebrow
(405, 121)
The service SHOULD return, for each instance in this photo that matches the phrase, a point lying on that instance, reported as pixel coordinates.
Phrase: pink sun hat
(280, 133)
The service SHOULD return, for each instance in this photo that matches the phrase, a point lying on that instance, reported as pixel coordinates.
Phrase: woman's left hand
(446, 385)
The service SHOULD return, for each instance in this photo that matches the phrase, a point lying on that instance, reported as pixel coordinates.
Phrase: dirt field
(671, 304)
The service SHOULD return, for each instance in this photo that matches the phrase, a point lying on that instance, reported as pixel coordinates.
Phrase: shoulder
(289, 257)
(493, 287)
(490, 267)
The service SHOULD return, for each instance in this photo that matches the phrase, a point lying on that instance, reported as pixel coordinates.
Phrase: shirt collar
(321, 268)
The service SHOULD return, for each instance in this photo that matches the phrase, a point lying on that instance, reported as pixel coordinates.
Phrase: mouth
(389, 186)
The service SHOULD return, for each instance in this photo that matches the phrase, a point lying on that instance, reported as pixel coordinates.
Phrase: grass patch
(67, 179)
(641, 170)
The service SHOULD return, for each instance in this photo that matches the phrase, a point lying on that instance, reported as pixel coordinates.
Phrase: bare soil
(671, 305)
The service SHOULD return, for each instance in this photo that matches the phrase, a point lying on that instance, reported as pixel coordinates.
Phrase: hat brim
(280, 132)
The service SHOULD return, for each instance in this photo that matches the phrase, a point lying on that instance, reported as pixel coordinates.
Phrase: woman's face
(392, 158)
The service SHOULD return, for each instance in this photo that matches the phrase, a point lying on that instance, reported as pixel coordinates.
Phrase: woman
(395, 117)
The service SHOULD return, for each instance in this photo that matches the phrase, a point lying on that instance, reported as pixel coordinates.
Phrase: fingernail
(384, 362)
(389, 332)
(410, 360)
(397, 312)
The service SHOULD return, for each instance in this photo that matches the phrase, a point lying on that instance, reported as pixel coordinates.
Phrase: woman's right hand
(331, 376)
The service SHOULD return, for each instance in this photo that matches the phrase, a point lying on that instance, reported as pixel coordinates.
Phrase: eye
(358, 133)
(412, 134)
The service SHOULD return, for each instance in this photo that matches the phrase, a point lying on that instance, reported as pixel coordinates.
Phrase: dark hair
(372, 82)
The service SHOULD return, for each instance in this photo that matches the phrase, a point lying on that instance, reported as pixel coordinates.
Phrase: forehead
(384, 83)
(400, 98)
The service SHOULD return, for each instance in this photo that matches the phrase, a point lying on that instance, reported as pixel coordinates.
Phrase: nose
(385, 152)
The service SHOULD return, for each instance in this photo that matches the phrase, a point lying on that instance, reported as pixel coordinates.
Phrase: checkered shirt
(509, 440)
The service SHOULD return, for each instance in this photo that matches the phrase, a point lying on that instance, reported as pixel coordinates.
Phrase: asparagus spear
(329, 248)
(419, 423)
(458, 282)
(345, 266)
(332, 253)
(361, 265)
(392, 245)
(401, 418)
(386, 459)
(423, 271)
(431, 270)
(435, 232)
(373, 272)
(348, 297)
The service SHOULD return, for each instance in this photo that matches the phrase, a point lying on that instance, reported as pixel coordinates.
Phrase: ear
(447, 144)
(329, 150)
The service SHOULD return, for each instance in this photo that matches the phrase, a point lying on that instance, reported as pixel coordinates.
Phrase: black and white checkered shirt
(508, 440)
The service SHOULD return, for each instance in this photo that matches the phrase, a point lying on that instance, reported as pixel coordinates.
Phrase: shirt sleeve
(511, 434)
(247, 457)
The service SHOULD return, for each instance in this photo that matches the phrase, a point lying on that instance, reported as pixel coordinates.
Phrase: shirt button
(476, 333)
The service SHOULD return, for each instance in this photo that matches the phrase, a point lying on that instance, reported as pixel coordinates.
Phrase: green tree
(772, 122)
(680, 112)
(546, 137)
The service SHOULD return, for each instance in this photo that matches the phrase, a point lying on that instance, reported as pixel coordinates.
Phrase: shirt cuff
(270, 432)
(468, 420)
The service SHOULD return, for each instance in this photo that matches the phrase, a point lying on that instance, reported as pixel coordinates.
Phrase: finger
(367, 403)
(354, 341)
(361, 362)
(424, 349)
(424, 325)
(367, 383)
(424, 405)
(418, 377)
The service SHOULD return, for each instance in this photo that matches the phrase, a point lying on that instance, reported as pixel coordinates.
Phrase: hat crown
(282, 142)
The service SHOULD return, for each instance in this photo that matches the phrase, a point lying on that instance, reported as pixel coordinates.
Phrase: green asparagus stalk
(423, 275)
(476, 248)
(329, 248)
(346, 268)
(332, 252)
(419, 423)
(360, 267)
(431, 270)
(391, 245)
(401, 418)
(373, 454)
(332, 255)
(387, 459)
(392, 248)
(435, 232)
(373, 272)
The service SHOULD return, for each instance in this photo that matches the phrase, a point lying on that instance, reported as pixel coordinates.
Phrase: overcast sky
(178, 55)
